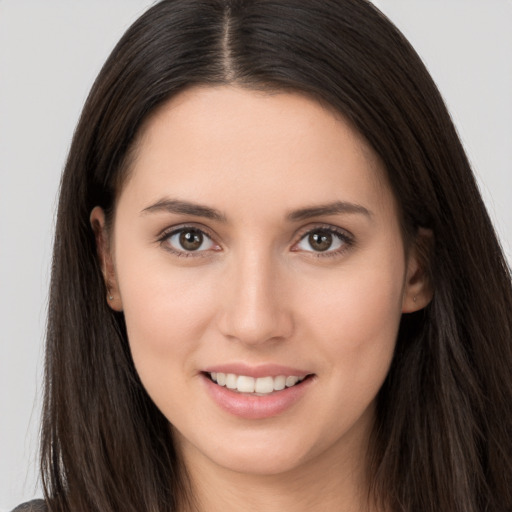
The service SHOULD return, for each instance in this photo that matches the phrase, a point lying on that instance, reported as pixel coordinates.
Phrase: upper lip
(263, 370)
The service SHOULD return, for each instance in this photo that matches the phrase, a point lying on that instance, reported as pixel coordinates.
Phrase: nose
(254, 308)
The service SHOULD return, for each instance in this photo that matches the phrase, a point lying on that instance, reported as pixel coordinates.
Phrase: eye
(324, 240)
(188, 240)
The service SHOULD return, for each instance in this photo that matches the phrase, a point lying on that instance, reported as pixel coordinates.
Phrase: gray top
(31, 506)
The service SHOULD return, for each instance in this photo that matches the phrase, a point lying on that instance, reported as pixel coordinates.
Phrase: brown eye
(320, 240)
(324, 240)
(191, 239)
(187, 240)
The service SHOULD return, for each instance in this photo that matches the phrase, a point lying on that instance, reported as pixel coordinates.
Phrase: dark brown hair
(443, 435)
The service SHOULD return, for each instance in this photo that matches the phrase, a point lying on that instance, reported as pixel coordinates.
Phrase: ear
(418, 290)
(106, 260)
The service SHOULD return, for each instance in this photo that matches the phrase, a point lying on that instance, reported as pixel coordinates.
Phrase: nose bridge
(254, 309)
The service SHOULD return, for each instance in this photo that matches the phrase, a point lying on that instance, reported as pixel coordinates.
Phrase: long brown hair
(443, 435)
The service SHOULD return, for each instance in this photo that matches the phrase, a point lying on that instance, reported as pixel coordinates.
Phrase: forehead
(227, 141)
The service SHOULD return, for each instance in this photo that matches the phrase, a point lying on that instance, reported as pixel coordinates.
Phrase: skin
(258, 291)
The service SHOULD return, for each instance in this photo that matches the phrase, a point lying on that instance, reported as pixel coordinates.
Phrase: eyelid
(166, 233)
(343, 234)
(169, 230)
(347, 237)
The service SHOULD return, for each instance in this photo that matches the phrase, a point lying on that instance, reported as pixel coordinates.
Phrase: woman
(275, 285)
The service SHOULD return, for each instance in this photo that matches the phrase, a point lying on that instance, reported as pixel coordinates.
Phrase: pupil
(320, 241)
(191, 240)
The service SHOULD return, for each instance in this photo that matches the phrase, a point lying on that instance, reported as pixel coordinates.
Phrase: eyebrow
(186, 208)
(197, 210)
(335, 208)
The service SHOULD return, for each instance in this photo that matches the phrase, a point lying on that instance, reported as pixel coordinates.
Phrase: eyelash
(167, 234)
(346, 239)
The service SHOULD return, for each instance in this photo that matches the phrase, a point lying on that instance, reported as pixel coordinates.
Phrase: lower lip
(256, 407)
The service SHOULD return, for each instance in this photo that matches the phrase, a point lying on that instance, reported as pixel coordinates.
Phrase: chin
(263, 453)
(258, 463)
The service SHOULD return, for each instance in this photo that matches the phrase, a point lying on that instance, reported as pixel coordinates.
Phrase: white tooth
(231, 381)
(214, 376)
(279, 382)
(245, 384)
(221, 379)
(264, 385)
(291, 381)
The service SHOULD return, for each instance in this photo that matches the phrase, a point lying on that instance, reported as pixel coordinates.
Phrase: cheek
(165, 311)
(354, 319)
(165, 315)
(353, 328)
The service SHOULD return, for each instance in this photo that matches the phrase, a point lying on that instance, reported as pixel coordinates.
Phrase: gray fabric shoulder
(32, 506)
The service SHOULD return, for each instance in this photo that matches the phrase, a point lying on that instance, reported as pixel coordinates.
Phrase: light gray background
(50, 53)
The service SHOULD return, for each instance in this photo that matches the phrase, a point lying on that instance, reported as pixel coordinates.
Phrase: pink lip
(264, 370)
(256, 407)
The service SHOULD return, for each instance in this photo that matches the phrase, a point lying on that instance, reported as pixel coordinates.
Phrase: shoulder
(31, 506)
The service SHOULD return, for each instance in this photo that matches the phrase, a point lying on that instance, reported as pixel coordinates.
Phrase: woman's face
(256, 241)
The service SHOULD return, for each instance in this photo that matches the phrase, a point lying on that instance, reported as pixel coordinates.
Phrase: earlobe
(418, 290)
(105, 259)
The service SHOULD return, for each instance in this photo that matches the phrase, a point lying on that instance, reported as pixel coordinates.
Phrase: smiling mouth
(260, 386)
